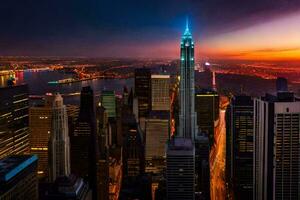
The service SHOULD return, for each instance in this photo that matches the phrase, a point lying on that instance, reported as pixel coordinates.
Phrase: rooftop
(12, 165)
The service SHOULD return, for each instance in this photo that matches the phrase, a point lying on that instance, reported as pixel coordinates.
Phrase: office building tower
(263, 149)
(67, 187)
(142, 87)
(181, 148)
(84, 141)
(240, 146)
(276, 147)
(14, 117)
(187, 116)
(207, 109)
(59, 144)
(157, 135)
(40, 122)
(160, 92)
(108, 101)
(281, 84)
(287, 150)
(180, 169)
(18, 177)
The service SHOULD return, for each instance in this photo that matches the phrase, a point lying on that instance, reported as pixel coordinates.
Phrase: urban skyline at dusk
(222, 29)
(150, 100)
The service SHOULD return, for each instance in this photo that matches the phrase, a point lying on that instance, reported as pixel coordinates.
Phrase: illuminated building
(108, 101)
(18, 177)
(59, 144)
(84, 141)
(180, 169)
(240, 146)
(276, 147)
(14, 117)
(187, 116)
(40, 127)
(207, 109)
(142, 88)
(160, 92)
(181, 148)
(157, 135)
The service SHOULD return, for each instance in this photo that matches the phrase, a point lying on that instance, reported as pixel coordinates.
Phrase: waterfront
(38, 84)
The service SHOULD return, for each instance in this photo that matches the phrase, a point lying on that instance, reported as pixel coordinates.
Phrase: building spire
(187, 29)
(187, 25)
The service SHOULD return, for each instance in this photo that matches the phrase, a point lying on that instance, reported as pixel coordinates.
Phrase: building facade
(108, 101)
(276, 147)
(59, 144)
(142, 87)
(157, 135)
(14, 117)
(240, 146)
(160, 92)
(180, 169)
(287, 150)
(84, 141)
(207, 109)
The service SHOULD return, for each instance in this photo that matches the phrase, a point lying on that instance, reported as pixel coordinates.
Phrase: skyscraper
(287, 150)
(207, 109)
(181, 148)
(276, 147)
(142, 87)
(59, 144)
(40, 122)
(14, 131)
(84, 141)
(240, 146)
(187, 116)
(160, 92)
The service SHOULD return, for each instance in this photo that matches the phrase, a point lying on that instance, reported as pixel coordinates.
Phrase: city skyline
(132, 104)
(250, 30)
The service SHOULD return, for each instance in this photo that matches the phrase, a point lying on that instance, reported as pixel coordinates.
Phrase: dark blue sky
(119, 28)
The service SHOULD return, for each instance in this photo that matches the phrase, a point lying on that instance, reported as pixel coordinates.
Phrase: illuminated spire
(187, 30)
(187, 24)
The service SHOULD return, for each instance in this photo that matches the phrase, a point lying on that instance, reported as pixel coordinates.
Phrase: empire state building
(187, 117)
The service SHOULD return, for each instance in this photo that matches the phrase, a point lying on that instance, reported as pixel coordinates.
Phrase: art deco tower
(59, 144)
(187, 117)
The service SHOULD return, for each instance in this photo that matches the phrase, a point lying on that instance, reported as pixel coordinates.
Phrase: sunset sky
(223, 29)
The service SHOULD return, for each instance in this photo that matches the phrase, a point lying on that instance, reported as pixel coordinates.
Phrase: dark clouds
(80, 27)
